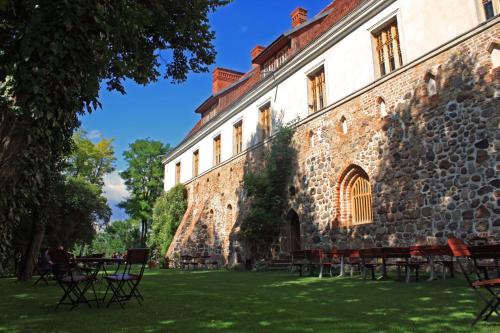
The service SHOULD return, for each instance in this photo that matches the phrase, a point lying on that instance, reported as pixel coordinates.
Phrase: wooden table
(431, 251)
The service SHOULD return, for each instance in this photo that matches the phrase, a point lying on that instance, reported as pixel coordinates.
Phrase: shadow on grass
(253, 302)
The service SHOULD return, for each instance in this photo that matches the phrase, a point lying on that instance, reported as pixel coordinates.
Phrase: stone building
(396, 107)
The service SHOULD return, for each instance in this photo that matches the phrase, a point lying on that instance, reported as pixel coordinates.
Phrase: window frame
(496, 9)
(374, 32)
(196, 163)
(178, 171)
(217, 150)
(311, 75)
(238, 137)
(265, 114)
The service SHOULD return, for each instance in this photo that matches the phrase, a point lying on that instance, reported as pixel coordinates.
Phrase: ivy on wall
(266, 190)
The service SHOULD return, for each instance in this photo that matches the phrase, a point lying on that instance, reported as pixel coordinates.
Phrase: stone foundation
(431, 159)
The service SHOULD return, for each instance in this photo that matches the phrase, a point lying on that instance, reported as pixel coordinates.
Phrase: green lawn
(221, 301)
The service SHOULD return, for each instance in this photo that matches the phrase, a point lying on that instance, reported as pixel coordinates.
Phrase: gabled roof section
(298, 38)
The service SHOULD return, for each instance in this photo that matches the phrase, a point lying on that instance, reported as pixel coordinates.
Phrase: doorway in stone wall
(290, 233)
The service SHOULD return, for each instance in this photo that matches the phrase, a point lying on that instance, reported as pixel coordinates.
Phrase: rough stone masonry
(431, 158)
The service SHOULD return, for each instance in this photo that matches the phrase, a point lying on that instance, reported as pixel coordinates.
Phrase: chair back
(62, 263)
(458, 248)
(137, 256)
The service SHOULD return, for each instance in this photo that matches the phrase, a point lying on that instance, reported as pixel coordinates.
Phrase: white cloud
(94, 134)
(114, 188)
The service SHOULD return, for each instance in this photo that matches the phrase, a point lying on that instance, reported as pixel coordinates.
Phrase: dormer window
(317, 90)
(275, 61)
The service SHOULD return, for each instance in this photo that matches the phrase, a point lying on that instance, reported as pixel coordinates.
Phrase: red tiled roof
(301, 36)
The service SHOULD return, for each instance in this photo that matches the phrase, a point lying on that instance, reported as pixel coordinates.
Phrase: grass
(222, 301)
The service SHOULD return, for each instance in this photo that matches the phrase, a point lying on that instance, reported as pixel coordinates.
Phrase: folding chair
(491, 297)
(74, 285)
(124, 285)
(42, 270)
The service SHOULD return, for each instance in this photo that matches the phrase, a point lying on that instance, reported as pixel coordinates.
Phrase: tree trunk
(27, 262)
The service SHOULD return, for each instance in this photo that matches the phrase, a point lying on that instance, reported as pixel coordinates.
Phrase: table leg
(384, 271)
(341, 266)
(431, 264)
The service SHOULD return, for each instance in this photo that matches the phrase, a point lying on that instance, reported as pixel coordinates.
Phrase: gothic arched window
(355, 197)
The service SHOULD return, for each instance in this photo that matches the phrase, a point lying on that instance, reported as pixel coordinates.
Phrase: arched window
(343, 124)
(494, 50)
(430, 82)
(381, 107)
(355, 197)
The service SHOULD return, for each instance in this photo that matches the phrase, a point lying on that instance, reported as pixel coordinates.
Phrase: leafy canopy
(116, 238)
(91, 161)
(144, 179)
(54, 55)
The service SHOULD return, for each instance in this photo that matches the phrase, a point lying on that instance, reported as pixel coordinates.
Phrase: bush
(168, 211)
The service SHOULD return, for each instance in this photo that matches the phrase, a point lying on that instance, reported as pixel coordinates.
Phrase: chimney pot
(299, 16)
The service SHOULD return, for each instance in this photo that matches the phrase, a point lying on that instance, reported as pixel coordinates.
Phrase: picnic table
(431, 252)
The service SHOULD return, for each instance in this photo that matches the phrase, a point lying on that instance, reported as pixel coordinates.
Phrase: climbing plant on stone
(266, 190)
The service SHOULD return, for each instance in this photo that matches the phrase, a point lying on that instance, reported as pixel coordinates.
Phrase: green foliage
(75, 208)
(91, 161)
(168, 211)
(144, 180)
(117, 237)
(54, 56)
(266, 190)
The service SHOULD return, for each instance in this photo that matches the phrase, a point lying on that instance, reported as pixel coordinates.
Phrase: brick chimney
(256, 51)
(299, 16)
(222, 78)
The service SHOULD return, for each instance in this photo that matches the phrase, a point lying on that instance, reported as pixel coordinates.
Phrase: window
(196, 163)
(490, 8)
(217, 150)
(177, 173)
(265, 120)
(361, 201)
(343, 124)
(317, 90)
(355, 199)
(381, 107)
(276, 61)
(238, 138)
(494, 50)
(387, 49)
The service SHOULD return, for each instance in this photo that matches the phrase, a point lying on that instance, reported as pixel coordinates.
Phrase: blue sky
(164, 111)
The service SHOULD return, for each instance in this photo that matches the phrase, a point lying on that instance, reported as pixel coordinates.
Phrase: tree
(168, 211)
(144, 180)
(54, 56)
(117, 237)
(75, 207)
(267, 190)
(91, 161)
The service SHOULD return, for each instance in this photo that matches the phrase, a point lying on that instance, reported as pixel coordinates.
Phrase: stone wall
(431, 158)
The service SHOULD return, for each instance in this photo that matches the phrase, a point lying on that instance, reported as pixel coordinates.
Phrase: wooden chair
(484, 288)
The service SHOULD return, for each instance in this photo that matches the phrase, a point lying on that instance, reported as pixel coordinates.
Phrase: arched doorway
(290, 233)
